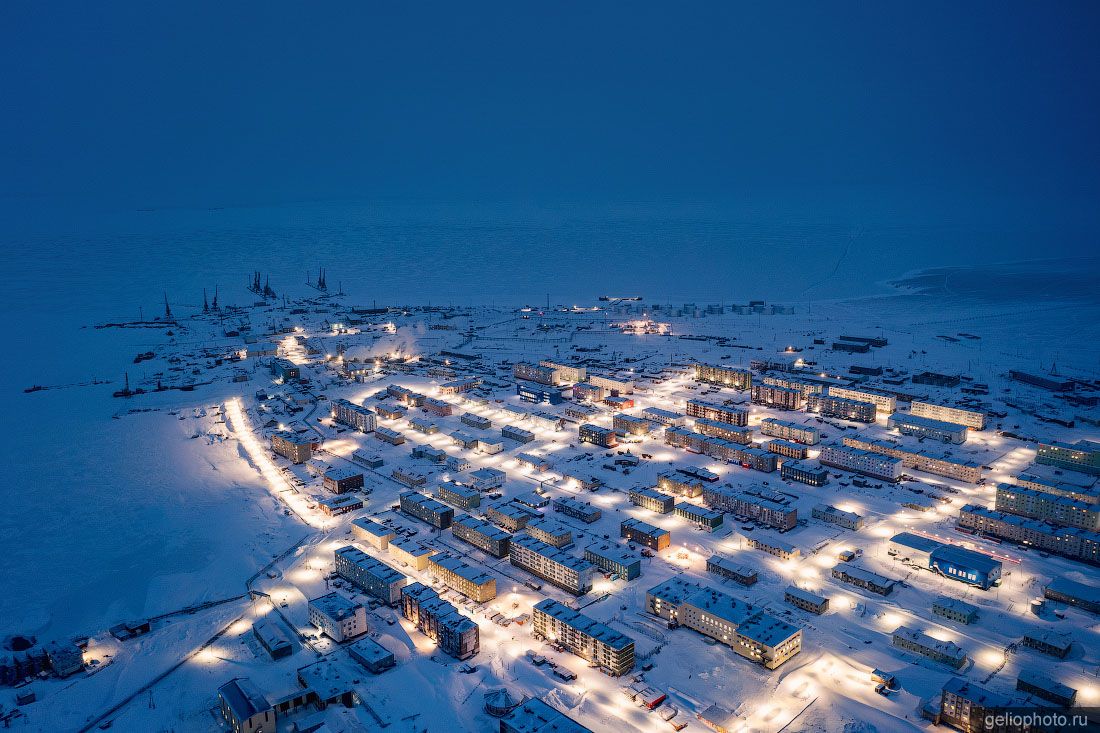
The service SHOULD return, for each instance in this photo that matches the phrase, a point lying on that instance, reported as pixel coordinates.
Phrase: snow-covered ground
(132, 508)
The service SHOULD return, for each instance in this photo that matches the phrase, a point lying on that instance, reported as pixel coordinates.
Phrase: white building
(337, 617)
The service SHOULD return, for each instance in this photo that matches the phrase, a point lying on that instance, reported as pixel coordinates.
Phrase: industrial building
(861, 461)
(597, 643)
(924, 427)
(437, 619)
(970, 418)
(645, 534)
(944, 652)
(482, 535)
(786, 430)
(840, 407)
(468, 580)
(568, 572)
(724, 376)
(427, 509)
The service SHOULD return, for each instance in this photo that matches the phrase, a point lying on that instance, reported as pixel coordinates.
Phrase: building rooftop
(335, 606)
(550, 552)
(373, 528)
(459, 567)
(766, 629)
(243, 698)
(584, 624)
(721, 605)
(376, 567)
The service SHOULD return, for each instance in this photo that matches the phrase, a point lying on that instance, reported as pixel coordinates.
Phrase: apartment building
(919, 460)
(786, 430)
(970, 418)
(701, 517)
(832, 515)
(437, 407)
(337, 617)
(339, 504)
(645, 534)
(724, 430)
(861, 461)
(927, 428)
(388, 435)
(487, 479)
(884, 402)
(653, 500)
(787, 449)
(679, 485)
(535, 373)
(777, 548)
(1087, 493)
(511, 432)
(408, 551)
(769, 508)
(663, 417)
(955, 609)
(373, 576)
(482, 535)
(545, 561)
(804, 384)
(1058, 510)
(589, 639)
(804, 472)
(437, 619)
(1082, 456)
(944, 652)
(724, 567)
(375, 534)
(596, 435)
(865, 579)
(806, 600)
(614, 559)
(511, 516)
(565, 373)
(631, 425)
(615, 386)
(341, 480)
(427, 509)
(355, 416)
(1070, 542)
(780, 398)
(581, 510)
(722, 450)
(475, 421)
(550, 532)
(839, 407)
(701, 409)
(468, 580)
(965, 706)
(463, 497)
(723, 376)
(585, 392)
(292, 446)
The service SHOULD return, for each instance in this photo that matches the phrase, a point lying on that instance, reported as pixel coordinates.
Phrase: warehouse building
(966, 566)
(614, 559)
(437, 619)
(970, 418)
(645, 534)
(468, 580)
(482, 535)
(653, 500)
(923, 427)
(535, 716)
(545, 561)
(597, 643)
(786, 430)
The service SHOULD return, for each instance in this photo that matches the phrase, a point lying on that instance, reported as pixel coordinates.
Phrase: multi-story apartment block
(787, 449)
(1058, 510)
(944, 652)
(292, 446)
(337, 617)
(804, 384)
(832, 515)
(792, 431)
(375, 577)
(663, 417)
(420, 425)
(566, 374)
(463, 497)
(724, 430)
(924, 427)
(722, 450)
(581, 510)
(726, 568)
(568, 572)
(970, 418)
(339, 504)
(631, 425)
(475, 421)
(391, 412)
(591, 640)
(804, 472)
(1048, 642)
(1074, 543)
(341, 480)
(586, 392)
(409, 477)
(596, 435)
(955, 609)
(723, 376)
(700, 409)
(1086, 493)
(919, 460)
(645, 534)
(615, 386)
(753, 634)
(701, 517)
(550, 532)
(468, 580)
(778, 548)
(769, 508)
(884, 402)
(679, 484)
(356, 416)
(653, 500)
(614, 559)
(966, 706)
(1082, 456)
(437, 619)
(511, 516)
(830, 406)
(407, 551)
(806, 600)
(861, 461)
(458, 386)
(482, 535)
(864, 579)
(437, 407)
(780, 398)
(535, 373)
(375, 534)
(244, 707)
(427, 509)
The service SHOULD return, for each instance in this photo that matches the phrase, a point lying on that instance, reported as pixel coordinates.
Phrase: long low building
(1074, 543)
(589, 639)
(1060, 510)
(467, 579)
(723, 376)
(839, 407)
(568, 572)
(926, 427)
(722, 450)
(679, 484)
(944, 652)
(1077, 594)
(750, 632)
(864, 579)
(884, 402)
(581, 510)
(861, 461)
(701, 409)
(792, 431)
(724, 430)
(482, 535)
(700, 516)
(832, 515)
(724, 567)
(653, 500)
(970, 418)
(918, 459)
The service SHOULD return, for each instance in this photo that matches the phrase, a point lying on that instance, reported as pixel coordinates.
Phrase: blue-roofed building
(245, 708)
(967, 566)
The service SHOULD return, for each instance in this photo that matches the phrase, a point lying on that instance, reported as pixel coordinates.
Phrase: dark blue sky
(240, 102)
